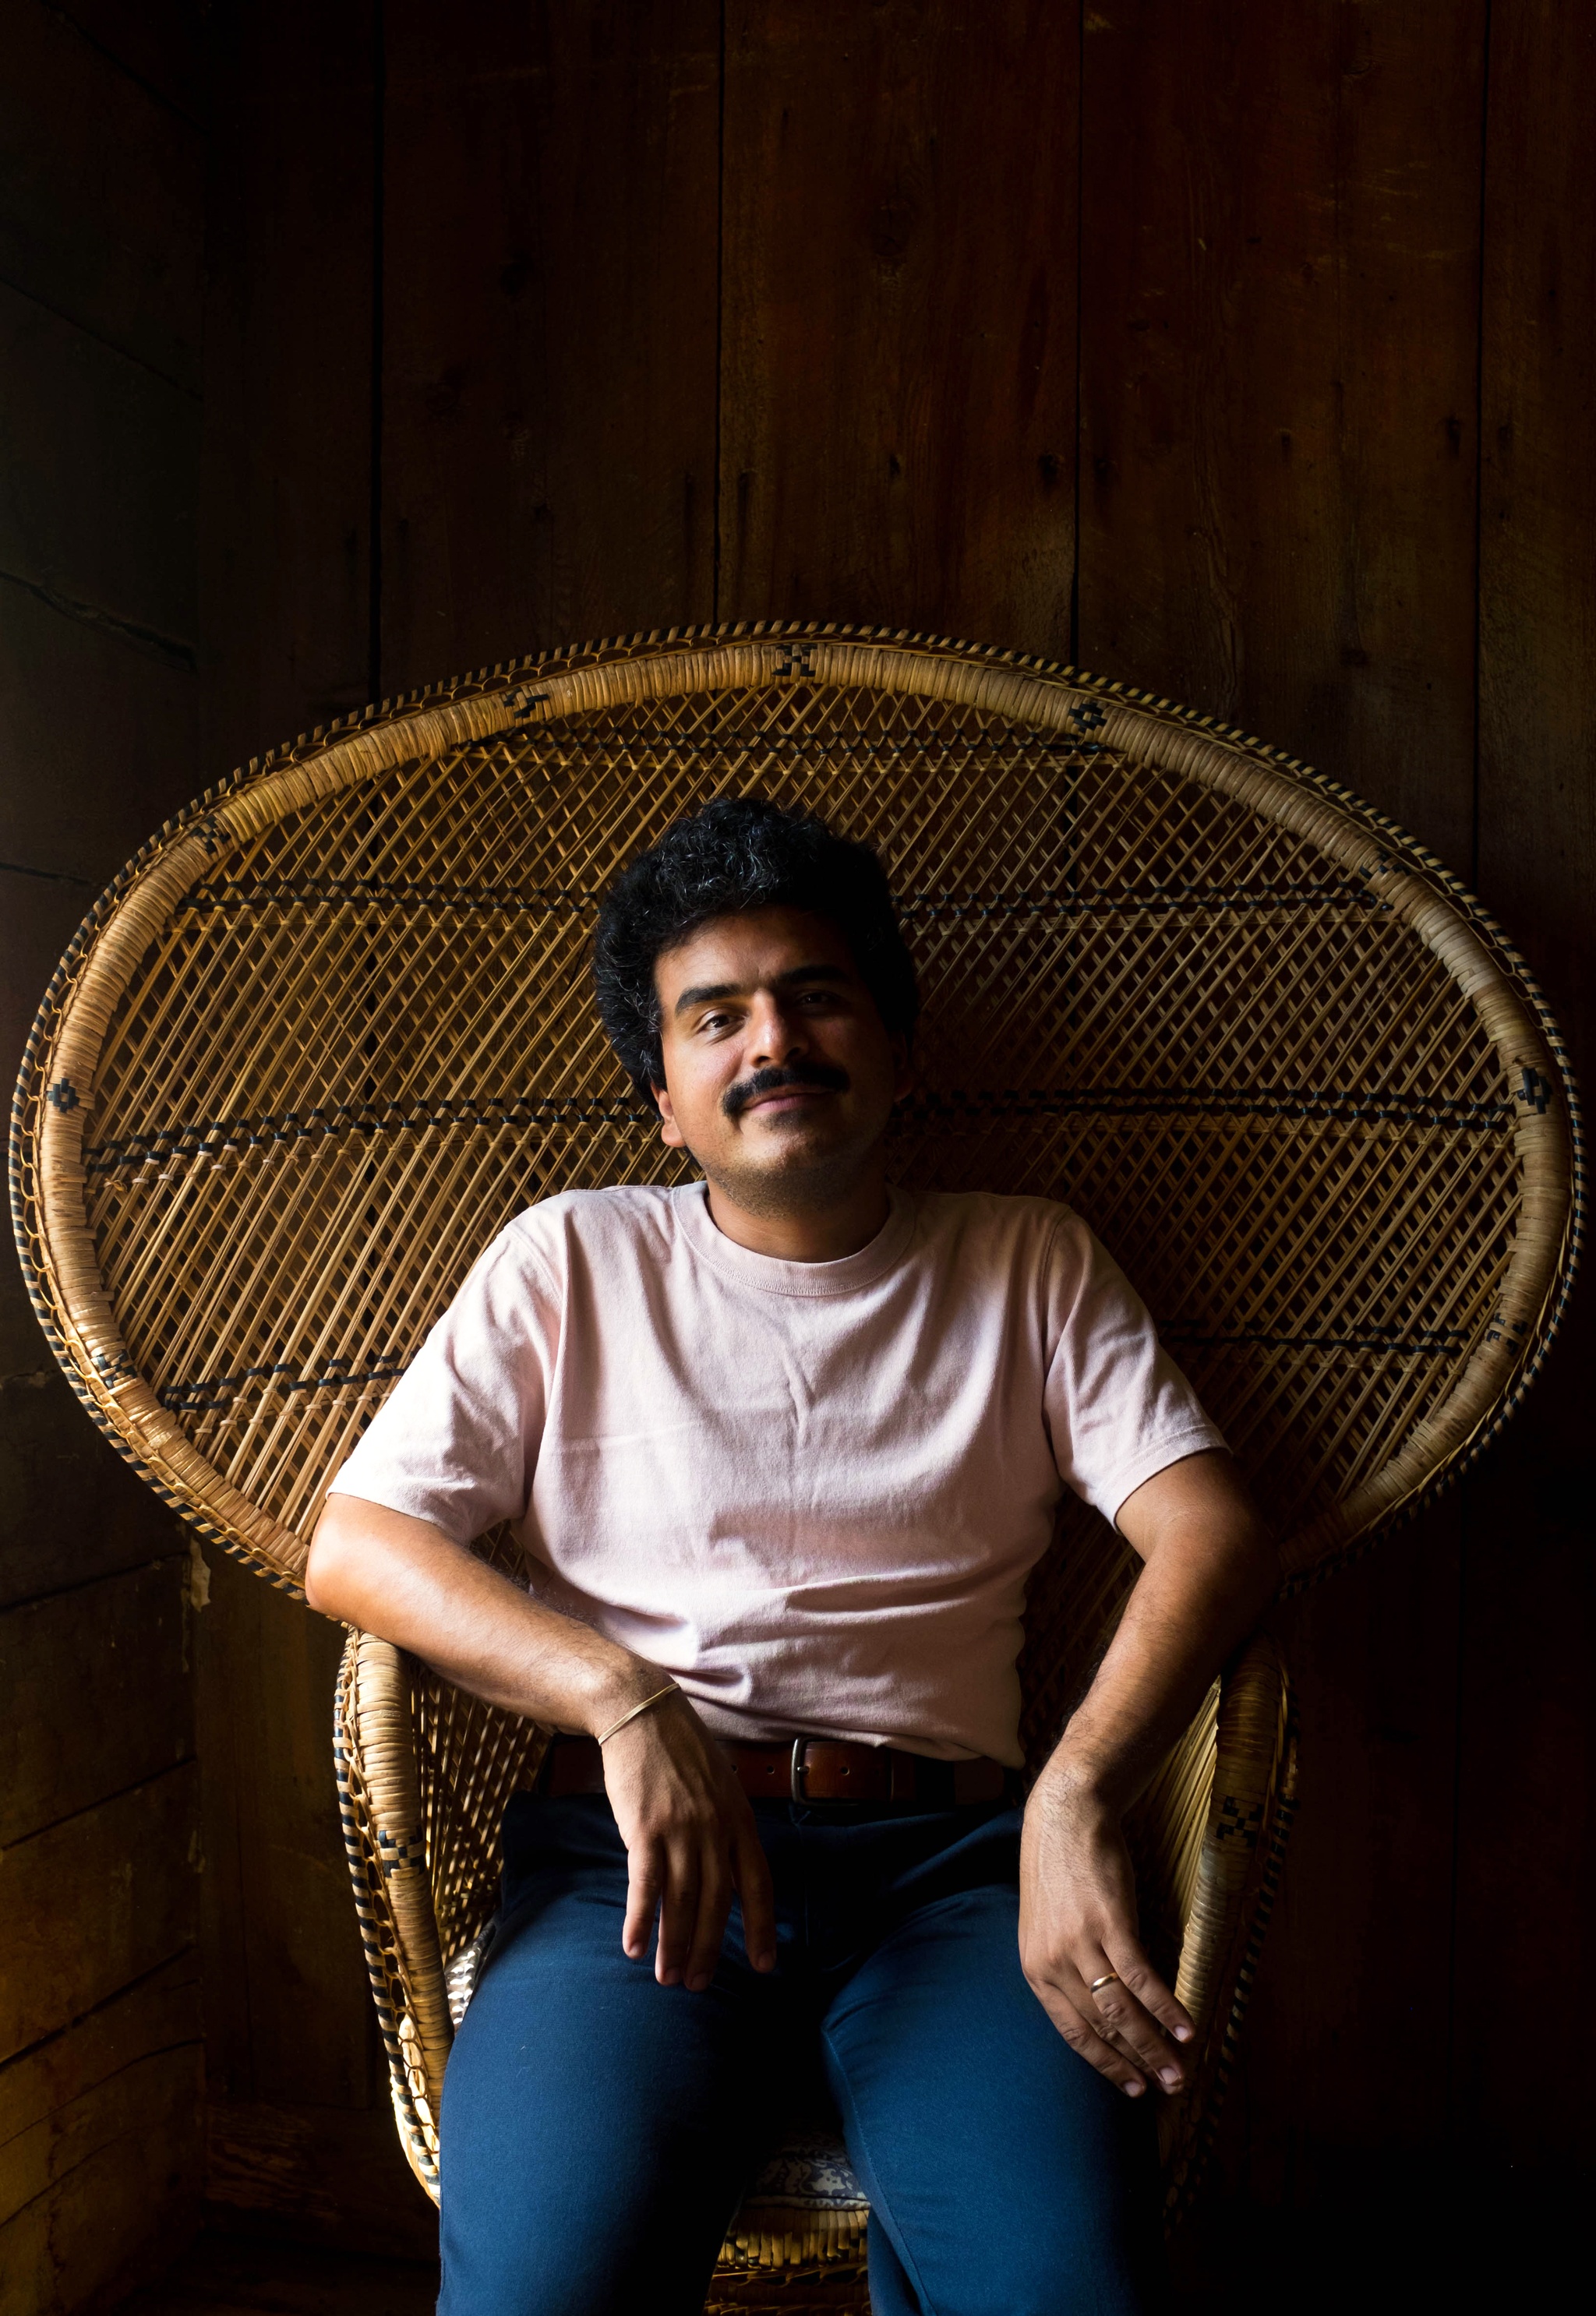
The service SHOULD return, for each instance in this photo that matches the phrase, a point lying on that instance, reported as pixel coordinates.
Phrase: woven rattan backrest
(332, 1028)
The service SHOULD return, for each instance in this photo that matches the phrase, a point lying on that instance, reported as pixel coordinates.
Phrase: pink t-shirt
(811, 1492)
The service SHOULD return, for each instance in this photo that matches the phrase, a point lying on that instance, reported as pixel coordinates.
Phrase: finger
(714, 1904)
(678, 1914)
(1127, 2019)
(1082, 2037)
(752, 1870)
(1122, 2020)
(642, 1900)
(1150, 1990)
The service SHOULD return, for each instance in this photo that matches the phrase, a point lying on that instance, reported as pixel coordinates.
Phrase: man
(783, 1446)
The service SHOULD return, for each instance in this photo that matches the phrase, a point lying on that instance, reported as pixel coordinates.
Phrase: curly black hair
(740, 853)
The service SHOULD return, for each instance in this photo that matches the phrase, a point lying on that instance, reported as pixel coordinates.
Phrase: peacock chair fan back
(332, 1028)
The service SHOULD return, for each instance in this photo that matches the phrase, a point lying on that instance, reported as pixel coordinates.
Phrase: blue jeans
(598, 2129)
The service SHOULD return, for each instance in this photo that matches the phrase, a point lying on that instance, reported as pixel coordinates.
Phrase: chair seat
(804, 2207)
(811, 2172)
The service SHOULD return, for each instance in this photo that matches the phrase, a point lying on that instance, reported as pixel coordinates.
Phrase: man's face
(779, 1073)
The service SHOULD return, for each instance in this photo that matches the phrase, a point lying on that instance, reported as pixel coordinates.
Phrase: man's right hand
(691, 1843)
(686, 1821)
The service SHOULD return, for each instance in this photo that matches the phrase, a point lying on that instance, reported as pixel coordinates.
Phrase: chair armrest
(380, 1805)
(1238, 1869)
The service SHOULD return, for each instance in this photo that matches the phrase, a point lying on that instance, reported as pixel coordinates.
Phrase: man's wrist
(1079, 1777)
(616, 1689)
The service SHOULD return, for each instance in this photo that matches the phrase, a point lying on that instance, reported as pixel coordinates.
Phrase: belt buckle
(800, 1746)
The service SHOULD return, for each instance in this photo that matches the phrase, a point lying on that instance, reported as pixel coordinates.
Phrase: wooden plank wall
(300, 2121)
(102, 195)
(1526, 1801)
(1240, 351)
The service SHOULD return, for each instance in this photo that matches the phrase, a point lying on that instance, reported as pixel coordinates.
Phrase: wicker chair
(330, 1030)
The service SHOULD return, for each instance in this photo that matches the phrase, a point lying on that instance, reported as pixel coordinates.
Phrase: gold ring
(1109, 1978)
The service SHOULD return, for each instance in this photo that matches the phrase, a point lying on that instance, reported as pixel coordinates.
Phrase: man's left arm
(1210, 1568)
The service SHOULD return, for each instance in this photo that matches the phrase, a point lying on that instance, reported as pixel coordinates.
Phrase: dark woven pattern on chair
(332, 1028)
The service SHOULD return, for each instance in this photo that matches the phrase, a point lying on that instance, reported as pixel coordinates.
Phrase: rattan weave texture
(330, 1029)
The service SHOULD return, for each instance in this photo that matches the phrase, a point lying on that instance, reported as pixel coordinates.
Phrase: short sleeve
(1118, 1408)
(456, 1441)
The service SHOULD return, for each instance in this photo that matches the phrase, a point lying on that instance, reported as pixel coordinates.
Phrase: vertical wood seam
(1470, 1486)
(1073, 655)
(378, 253)
(719, 309)
(1479, 445)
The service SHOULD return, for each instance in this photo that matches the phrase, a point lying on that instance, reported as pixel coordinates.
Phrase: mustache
(736, 1098)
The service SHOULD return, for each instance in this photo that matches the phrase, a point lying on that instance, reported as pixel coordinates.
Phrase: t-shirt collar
(773, 1276)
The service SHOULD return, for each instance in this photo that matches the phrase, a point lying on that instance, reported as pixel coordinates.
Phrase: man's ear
(669, 1133)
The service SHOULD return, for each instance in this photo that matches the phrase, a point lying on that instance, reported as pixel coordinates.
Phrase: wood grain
(229, 2275)
(286, 580)
(283, 549)
(35, 2160)
(100, 232)
(898, 323)
(99, 739)
(549, 335)
(116, 2190)
(160, 44)
(86, 144)
(1278, 320)
(318, 2176)
(288, 2016)
(1341, 2073)
(1278, 333)
(160, 2012)
(1527, 1798)
(1538, 603)
(66, 1743)
(95, 1903)
(76, 803)
(98, 519)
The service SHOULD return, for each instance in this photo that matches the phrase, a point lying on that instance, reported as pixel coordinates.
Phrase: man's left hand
(1078, 1923)
(1210, 1568)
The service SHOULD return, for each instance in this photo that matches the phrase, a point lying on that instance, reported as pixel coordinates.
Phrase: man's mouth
(787, 1098)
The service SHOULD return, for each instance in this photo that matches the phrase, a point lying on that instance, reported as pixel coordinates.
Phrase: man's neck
(825, 1232)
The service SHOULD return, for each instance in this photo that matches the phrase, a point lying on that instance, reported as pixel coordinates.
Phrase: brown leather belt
(810, 1770)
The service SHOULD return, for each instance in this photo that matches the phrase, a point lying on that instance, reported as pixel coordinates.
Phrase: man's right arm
(688, 1828)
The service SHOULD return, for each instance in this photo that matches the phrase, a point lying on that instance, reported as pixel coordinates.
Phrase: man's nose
(775, 1033)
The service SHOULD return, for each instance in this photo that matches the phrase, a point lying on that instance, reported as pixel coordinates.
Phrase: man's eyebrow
(706, 992)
